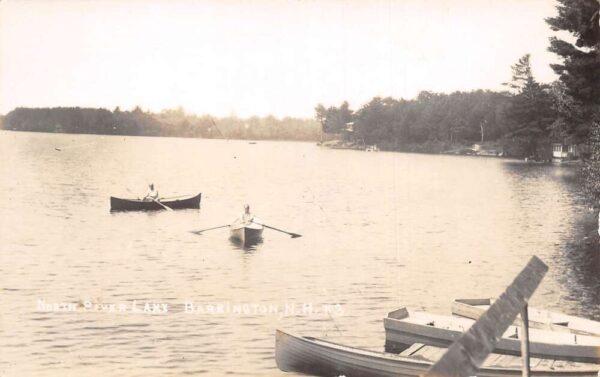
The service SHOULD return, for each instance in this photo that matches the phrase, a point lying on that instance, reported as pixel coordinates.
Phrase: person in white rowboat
(247, 217)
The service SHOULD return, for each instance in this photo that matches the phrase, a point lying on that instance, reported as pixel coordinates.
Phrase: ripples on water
(380, 230)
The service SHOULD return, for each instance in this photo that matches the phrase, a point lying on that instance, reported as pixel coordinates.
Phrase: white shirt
(247, 217)
(151, 194)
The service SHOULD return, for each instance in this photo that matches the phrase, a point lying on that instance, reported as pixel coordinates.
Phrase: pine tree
(580, 73)
(521, 74)
(531, 111)
(580, 68)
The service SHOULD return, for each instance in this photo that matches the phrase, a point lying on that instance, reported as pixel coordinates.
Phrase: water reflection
(247, 246)
(580, 265)
(525, 170)
(576, 266)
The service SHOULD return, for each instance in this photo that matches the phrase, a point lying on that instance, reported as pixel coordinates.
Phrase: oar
(294, 235)
(204, 230)
(131, 192)
(162, 205)
(155, 201)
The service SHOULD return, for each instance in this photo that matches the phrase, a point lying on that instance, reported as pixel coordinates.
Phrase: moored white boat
(538, 318)
(322, 358)
(404, 327)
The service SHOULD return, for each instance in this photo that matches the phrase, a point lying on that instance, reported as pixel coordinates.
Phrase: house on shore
(565, 152)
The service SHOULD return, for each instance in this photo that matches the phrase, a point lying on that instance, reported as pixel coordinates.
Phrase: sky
(261, 57)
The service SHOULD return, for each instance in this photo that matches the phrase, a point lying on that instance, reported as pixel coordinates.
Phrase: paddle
(162, 205)
(155, 201)
(294, 235)
(204, 230)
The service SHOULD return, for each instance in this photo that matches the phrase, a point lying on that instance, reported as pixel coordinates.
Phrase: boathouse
(562, 151)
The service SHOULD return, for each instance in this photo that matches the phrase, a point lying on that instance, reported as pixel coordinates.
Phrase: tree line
(524, 119)
(169, 123)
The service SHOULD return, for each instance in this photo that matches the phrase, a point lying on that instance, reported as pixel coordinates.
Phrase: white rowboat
(246, 233)
(538, 318)
(322, 358)
(404, 327)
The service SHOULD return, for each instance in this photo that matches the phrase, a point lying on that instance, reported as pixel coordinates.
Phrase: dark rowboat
(405, 327)
(118, 204)
(322, 358)
(246, 233)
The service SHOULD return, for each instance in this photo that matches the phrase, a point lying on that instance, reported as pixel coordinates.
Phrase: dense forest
(523, 120)
(175, 123)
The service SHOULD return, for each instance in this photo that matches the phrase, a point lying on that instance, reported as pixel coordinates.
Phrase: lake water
(380, 231)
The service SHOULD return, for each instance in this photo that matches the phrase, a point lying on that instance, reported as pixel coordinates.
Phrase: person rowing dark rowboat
(151, 194)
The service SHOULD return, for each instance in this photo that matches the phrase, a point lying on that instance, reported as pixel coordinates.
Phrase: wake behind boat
(184, 202)
(404, 327)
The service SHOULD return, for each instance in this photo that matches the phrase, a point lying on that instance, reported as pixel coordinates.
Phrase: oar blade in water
(293, 235)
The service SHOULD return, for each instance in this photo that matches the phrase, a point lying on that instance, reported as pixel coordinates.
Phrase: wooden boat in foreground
(322, 358)
(119, 204)
(538, 318)
(246, 233)
(404, 327)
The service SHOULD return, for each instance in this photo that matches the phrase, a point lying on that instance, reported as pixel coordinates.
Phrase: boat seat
(412, 349)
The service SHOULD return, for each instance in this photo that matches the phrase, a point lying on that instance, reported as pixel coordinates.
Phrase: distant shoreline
(456, 152)
(157, 136)
(168, 123)
(463, 150)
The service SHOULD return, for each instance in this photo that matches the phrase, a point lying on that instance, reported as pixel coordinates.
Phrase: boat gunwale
(416, 332)
(332, 348)
(182, 199)
(466, 308)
